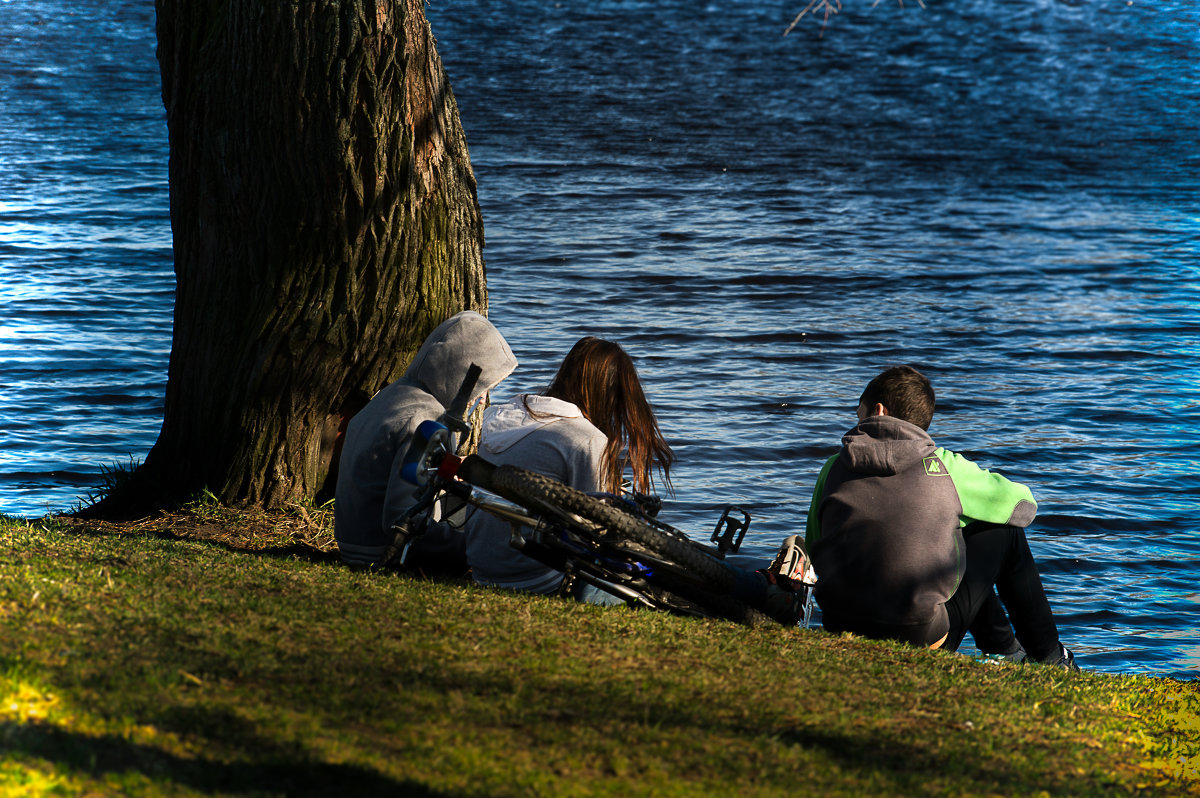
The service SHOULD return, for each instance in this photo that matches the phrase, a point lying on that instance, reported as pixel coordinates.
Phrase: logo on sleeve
(935, 468)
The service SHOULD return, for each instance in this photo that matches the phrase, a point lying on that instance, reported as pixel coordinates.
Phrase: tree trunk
(325, 220)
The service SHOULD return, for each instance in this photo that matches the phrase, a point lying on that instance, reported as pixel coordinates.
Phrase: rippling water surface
(1007, 196)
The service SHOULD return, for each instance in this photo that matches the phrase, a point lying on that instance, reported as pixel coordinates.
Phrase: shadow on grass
(73, 753)
(928, 762)
(915, 767)
(268, 537)
(295, 551)
(225, 535)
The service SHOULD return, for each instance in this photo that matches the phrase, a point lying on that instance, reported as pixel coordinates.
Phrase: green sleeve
(812, 528)
(986, 496)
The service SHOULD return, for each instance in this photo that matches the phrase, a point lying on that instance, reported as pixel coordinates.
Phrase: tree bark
(325, 219)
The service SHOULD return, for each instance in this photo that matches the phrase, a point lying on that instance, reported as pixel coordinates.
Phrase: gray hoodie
(370, 494)
(890, 551)
(554, 440)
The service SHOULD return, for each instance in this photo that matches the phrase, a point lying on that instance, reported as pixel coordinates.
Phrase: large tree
(325, 220)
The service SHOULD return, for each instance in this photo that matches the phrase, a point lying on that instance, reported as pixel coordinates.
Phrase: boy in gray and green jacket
(912, 542)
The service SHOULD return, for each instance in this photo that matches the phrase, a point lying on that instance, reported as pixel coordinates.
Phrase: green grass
(142, 663)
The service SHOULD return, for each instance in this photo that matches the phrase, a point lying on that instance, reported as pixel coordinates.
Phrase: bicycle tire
(716, 605)
(739, 612)
(549, 495)
(688, 601)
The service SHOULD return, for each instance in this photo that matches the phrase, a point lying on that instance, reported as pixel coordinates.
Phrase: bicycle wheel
(739, 612)
(562, 501)
(678, 598)
(714, 605)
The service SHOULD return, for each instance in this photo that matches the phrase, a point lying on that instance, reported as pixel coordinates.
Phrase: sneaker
(784, 605)
(1067, 659)
(791, 563)
(1064, 660)
(1015, 657)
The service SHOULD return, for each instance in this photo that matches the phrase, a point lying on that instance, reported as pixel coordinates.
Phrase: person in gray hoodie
(585, 429)
(371, 496)
(912, 542)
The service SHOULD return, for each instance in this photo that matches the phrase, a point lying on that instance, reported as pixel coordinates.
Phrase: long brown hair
(599, 378)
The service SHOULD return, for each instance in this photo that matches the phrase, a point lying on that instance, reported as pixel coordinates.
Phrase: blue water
(1007, 196)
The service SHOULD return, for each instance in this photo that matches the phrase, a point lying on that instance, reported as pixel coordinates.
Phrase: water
(86, 281)
(1006, 197)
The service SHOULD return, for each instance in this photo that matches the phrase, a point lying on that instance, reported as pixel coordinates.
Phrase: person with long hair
(588, 429)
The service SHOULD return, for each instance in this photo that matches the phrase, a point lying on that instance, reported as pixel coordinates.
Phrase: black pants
(999, 562)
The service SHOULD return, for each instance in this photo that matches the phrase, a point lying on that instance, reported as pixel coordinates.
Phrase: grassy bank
(235, 656)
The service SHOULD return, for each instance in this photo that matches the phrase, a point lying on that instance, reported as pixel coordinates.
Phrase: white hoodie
(555, 440)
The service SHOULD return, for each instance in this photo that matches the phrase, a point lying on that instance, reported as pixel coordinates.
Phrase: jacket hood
(441, 363)
(505, 424)
(882, 445)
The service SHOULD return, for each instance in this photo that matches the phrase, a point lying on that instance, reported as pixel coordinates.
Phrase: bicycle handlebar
(458, 408)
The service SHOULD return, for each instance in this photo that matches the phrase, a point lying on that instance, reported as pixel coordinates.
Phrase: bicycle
(615, 543)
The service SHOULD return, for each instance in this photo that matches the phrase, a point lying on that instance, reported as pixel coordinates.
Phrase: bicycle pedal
(729, 532)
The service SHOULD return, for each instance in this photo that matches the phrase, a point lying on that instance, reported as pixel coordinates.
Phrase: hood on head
(883, 445)
(465, 338)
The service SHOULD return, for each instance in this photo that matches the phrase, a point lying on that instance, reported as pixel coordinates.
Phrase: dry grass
(304, 530)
